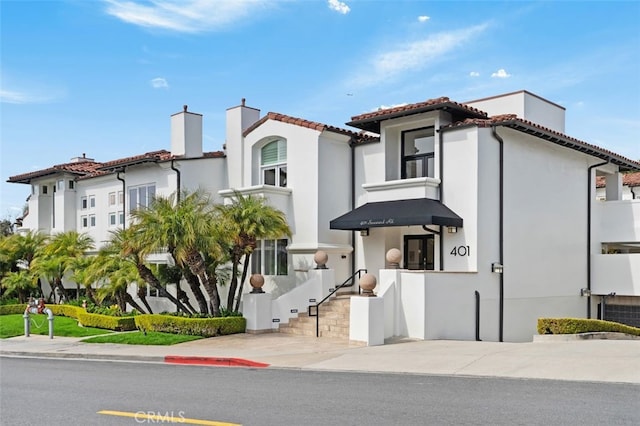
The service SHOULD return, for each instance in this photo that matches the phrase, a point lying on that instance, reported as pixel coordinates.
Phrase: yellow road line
(168, 418)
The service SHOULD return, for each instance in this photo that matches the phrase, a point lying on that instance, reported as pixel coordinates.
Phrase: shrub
(66, 310)
(9, 301)
(582, 325)
(107, 322)
(205, 327)
(12, 309)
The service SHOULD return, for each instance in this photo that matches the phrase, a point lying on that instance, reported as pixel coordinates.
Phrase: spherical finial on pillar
(321, 258)
(367, 283)
(394, 256)
(256, 281)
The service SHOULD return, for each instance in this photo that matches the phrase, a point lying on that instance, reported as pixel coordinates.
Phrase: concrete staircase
(334, 320)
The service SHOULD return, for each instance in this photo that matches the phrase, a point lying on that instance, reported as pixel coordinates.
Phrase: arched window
(273, 163)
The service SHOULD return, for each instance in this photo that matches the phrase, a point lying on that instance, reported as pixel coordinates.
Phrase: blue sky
(103, 77)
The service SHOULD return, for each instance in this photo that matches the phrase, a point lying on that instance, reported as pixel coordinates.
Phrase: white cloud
(159, 83)
(474, 74)
(339, 6)
(423, 18)
(501, 73)
(189, 16)
(416, 55)
(17, 97)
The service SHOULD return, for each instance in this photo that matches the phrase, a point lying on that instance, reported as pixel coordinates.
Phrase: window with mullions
(141, 196)
(417, 153)
(273, 163)
(270, 257)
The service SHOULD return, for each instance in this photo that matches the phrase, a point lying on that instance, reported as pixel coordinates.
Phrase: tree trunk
(128, 299)
(91, 295)
(149, 278)
(182, 296)
(244, 277)
(234, 279)
(142, 294)
(194, 285)
(197, 267)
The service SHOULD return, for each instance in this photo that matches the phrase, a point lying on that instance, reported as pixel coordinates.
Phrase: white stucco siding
(99, 188)
(460, 193)
(545, 221)
(208, 174)
(334, 185)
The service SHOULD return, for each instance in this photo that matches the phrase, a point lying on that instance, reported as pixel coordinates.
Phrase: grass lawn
(13, 325)
(139, 338)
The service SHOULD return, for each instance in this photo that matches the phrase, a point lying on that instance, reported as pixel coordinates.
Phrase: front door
(418, 252)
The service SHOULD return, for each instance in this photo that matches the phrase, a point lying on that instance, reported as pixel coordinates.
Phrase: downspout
(589, 234)
(124, 199)
(633, 194)
(353, 204)
(501, 231)
(441, 166)
(177, 179)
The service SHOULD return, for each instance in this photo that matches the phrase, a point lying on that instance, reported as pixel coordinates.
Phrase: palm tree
(186, 229)
(19, 283)
(250, 219)
(115, 274)
(61, 255)
(133, 245)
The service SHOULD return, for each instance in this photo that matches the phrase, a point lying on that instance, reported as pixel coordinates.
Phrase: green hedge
(107, 322)
(12, 309)
(582, 325)
(67, 310)
(205, 327)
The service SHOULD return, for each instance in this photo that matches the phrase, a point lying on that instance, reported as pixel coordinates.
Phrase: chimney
(186, 134)
(82, 159)
(238, 119)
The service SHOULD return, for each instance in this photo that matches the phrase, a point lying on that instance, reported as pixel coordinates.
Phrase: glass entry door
(418, 252)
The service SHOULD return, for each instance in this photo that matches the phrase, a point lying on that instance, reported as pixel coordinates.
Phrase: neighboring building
(630, 187)
(493, 208)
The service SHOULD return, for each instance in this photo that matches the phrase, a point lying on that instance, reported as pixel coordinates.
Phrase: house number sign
(460, 251)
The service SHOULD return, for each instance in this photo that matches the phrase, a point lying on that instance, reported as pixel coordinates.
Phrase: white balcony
(618, 273)
(403, 189)
(616, 221)
(277, 197)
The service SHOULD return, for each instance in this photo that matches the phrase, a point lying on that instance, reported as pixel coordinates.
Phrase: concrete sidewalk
(581, 360)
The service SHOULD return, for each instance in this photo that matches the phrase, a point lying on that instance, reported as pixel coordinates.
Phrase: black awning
(421, 211)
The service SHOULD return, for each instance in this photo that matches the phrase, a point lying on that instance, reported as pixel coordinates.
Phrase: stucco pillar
(326, 278)
(366, 320)
(614, 186)
(257, 312)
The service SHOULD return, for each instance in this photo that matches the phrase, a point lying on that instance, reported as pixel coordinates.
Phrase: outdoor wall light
(585, 292)
(364, 232)
(452, 229)
(497, 267)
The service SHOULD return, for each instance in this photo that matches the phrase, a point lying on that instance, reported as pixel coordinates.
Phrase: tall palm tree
(249, 219)
(186, 228)
(19, 283)
(115, 274)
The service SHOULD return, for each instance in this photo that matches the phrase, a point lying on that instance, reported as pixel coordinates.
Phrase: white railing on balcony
(619, 273)
(616, 221)
(403, 189)
(278, 197)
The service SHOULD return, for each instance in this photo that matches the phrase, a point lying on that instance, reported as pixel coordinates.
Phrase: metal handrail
(350, 280)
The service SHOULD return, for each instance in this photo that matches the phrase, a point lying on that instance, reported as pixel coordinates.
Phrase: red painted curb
(205, 360)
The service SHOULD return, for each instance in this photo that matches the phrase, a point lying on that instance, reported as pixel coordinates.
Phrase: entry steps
(334, 320)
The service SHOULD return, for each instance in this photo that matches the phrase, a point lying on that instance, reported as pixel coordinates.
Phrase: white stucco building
(492, 206)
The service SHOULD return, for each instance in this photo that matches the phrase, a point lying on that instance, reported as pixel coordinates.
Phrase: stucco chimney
(186, 134)
(239, 119)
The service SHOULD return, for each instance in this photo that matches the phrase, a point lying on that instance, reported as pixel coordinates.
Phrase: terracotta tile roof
(628, 179)
(80, 168)
(514, 122)
(91, 169)
(371, 120)
(360, 137)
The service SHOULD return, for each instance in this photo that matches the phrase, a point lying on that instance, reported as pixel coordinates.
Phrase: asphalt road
(74, 392)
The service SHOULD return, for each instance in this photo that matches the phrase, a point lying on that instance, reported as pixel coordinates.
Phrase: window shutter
(274, 152)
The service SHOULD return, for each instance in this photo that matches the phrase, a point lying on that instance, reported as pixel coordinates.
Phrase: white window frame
(113, 218)
(72, 184)
(277, 165)
(149, 191)
(92, 201)
(92, 220)
(84, 203)
(112, 198)
(84, 221)
(277, 264)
